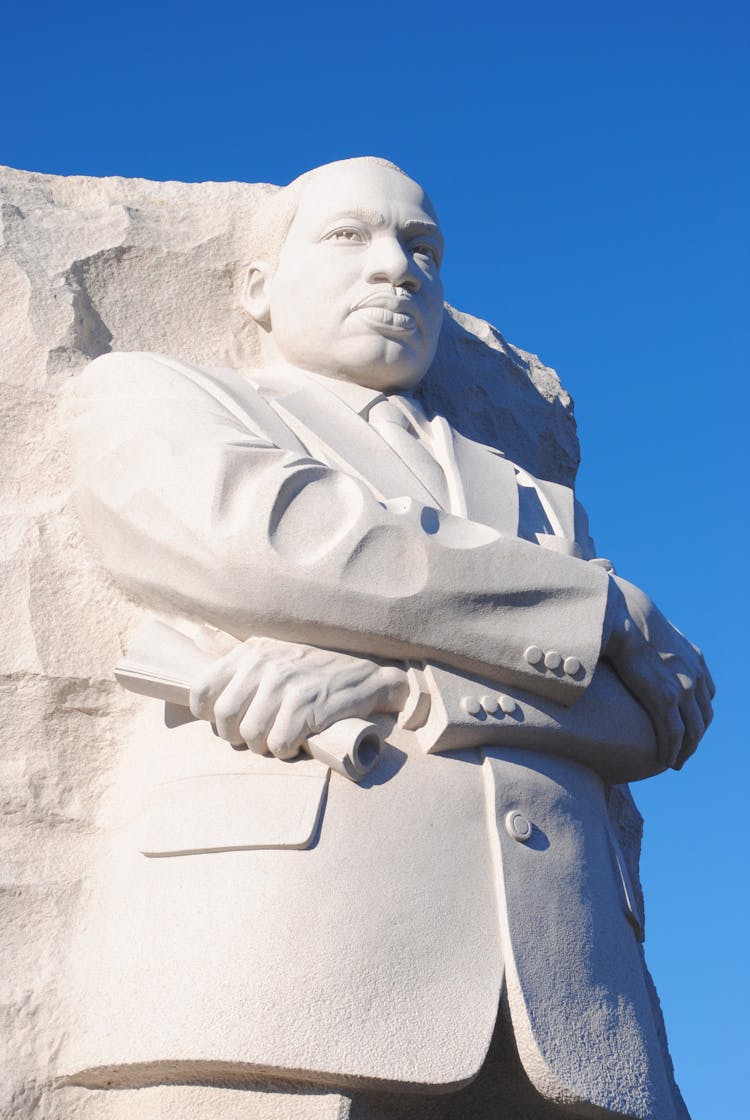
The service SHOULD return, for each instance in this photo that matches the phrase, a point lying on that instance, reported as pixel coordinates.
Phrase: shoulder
(139, 392)
(132, 363)
(143, 370)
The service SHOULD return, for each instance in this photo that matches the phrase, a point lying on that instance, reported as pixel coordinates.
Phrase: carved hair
(278, 210)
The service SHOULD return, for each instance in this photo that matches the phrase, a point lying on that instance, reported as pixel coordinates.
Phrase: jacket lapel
(335, 433)
(558, 504)
(238, 394)
(481, 481)
(488, 482)
(490, 493)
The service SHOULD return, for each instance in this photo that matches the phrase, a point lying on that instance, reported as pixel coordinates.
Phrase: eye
(346, 235)
(425, 249)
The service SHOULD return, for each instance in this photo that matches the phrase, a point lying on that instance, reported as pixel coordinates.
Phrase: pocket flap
(226, 812)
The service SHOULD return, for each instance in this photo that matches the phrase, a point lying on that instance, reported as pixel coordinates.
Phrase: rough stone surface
(89, 266)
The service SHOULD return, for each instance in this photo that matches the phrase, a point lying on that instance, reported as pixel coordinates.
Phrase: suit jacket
(362, 935)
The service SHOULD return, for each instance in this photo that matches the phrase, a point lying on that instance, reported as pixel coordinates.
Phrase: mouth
(387, 321)
(388, 314)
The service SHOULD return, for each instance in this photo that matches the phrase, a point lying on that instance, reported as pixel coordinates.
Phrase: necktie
(390, 422)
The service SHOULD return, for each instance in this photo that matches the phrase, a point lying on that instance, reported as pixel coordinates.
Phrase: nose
(388, 263)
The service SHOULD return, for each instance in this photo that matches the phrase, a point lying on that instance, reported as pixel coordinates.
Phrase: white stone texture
(90, 266)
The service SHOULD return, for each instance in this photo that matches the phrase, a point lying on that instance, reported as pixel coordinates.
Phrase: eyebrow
(412, 228)
(361, 213)
(415, 227)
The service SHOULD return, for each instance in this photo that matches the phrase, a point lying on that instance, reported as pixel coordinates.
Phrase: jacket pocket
(275, 808)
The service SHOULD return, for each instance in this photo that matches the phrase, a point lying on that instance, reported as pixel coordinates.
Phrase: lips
(388, 312)
(384, 317)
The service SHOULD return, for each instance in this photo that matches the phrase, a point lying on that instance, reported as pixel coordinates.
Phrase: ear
(255, 292)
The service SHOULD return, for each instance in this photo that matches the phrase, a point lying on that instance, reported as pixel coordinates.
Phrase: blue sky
(590, 165)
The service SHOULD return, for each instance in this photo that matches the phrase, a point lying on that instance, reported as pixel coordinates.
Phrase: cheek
(436, 310)
(436, 290)
(432, 290)
(295, 302)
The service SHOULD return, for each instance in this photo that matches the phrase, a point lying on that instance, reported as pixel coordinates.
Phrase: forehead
(368, 191)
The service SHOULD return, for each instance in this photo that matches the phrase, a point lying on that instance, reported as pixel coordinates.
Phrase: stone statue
(377, 861)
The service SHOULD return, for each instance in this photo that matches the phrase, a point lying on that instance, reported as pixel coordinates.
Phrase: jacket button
(533, 655)
(471, 705)
(571, 665)
(552, 659)
(518, 826)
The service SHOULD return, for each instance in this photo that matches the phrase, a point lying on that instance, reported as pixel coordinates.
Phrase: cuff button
(518, 826)
(490, 704)
(471, 705)
(533, 655)
(553, 659)
(572, 665)
(507, 705)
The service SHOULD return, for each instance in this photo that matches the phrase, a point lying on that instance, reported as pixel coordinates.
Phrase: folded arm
(197, 513)
(665, 671)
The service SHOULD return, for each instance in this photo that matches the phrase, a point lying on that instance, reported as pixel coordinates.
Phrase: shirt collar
(358, 397)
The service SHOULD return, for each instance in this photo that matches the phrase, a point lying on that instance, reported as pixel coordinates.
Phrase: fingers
(305, 711)
(208, 687)
(697, 711)
(271, 695)
(704, 690)
(681, 721)
(692, 718)
(222, 694)
(669, 677)
(658, 690)
(259, 718)
(670, 732)
(251, 700)
(232, 704)
(292, 726)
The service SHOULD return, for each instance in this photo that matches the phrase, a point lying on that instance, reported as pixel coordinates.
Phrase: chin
(388, 379)
(393, 369)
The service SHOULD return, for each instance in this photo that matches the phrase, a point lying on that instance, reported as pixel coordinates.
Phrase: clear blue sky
(589, 163)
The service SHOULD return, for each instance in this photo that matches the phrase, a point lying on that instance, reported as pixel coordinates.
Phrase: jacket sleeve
(196, 512)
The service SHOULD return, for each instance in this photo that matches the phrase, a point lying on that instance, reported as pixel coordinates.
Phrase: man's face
(357, 293)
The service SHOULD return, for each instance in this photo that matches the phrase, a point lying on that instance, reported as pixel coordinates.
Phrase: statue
(388, 871)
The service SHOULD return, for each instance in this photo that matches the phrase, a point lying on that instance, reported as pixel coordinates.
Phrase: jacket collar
(328, 416)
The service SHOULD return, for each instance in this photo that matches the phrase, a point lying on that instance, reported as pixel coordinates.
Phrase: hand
(272, 696)
(662, 669)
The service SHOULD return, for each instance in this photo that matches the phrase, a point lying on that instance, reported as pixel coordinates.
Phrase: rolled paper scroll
(163, 662)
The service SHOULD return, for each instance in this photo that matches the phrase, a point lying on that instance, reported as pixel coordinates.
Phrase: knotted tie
(393, 424)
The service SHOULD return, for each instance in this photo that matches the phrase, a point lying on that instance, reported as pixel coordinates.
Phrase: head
(347, 282)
